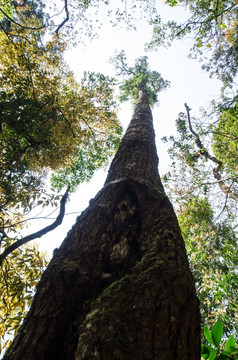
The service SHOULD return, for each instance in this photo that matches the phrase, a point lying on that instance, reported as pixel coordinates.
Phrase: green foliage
(5, 7)
(225, 139)
(171, 3)
(212, 252)
(213, 25)
(219, 349)
(18, 277)
(104, 134)
(84, 162)
(206, 212)
(47, 117)
(138, 77)
(48, 123)
(202, 163)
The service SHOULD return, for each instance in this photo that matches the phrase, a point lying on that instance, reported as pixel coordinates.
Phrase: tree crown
(138, 77)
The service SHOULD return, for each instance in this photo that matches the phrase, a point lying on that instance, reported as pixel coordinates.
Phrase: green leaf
(225, 355)
(171, 3)
(217, 331)
(230, 343)
(208, 335)
(212, 354)
(207, 352)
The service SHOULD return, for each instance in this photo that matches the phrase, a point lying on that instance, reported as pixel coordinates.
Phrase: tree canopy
(49, 123)
(213, 25)
(203, 176)
(138, 77)
(212, 251)
(204, 191)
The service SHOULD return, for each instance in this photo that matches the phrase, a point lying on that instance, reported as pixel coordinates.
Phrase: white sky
(188, 84)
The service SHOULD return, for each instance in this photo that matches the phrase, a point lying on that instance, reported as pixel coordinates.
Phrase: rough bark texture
(119, 287)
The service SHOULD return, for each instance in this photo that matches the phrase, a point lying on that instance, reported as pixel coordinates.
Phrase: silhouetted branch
(203, 152)
(16, 23)
(39, 233)
(2, 231)
(66, 18)
(211, 18)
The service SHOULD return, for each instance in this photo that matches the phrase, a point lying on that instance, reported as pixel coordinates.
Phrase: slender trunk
(119, 287)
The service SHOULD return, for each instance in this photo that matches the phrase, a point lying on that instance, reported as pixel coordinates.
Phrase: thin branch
(39, 233)
(217, 182)
(31, 78)
(47, 217)
(2, 231)
(65, 20)
(209, 19)
(67, 121)
(36, 217)
(224, 206)
(22, 26)
(203, 152)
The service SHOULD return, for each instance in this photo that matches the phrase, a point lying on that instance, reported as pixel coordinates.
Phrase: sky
(188, 84)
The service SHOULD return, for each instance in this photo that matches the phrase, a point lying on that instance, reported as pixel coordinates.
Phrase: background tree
(212, 251)
(48, 122)
(213, 26)
(206, 204)
(203, 175)
(120, 285)
(214, 136)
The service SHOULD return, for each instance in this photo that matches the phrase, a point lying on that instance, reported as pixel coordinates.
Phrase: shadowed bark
(119, 287)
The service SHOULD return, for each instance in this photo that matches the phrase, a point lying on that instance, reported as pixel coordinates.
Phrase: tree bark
(119, 287)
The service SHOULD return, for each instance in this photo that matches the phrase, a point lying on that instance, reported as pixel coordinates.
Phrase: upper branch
(66, 18)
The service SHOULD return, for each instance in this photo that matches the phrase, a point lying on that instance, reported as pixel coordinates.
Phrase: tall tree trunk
(119, 287)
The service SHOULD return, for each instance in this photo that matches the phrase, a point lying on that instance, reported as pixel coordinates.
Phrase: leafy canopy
(48, 122)
(203, 186)
(213, 25)
(47, 117)
(212, 251)
(225, 139)
(138, 77)
(18, 277)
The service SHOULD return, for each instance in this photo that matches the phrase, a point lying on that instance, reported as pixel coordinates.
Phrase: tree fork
(119, 287)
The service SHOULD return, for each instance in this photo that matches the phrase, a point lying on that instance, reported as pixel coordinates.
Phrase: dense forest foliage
(52, 124)
(203, 180)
